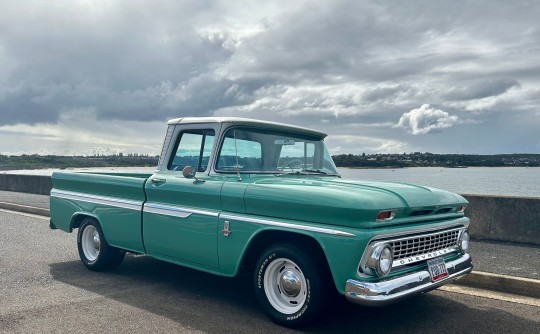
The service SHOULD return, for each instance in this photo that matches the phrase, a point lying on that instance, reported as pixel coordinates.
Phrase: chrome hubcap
(96, 241)
(290, 283)
(285, 286)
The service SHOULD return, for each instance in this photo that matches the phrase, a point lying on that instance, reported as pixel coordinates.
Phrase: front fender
(242, 238)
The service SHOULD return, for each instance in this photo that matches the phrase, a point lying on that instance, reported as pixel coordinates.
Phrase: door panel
(180, 217)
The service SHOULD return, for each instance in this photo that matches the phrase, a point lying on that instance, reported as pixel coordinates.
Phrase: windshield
(262, 151)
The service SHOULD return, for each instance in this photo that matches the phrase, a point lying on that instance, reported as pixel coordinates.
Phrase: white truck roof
(247, 122)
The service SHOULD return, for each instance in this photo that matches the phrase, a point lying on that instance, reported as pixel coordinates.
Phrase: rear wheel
(289, 285)
(94, 251)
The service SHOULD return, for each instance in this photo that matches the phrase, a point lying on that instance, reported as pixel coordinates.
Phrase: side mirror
(188, 172)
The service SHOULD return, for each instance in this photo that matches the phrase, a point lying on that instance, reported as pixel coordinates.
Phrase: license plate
(437, 269)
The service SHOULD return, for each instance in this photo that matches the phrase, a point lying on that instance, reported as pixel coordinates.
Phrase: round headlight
(380, 260)
(464, 242)
(385, 260)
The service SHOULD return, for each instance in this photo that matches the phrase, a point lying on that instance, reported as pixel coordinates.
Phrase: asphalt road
(38, 201)
(44, 288)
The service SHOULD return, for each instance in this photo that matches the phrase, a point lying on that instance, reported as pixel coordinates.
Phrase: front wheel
(94, 251)
(289, 286)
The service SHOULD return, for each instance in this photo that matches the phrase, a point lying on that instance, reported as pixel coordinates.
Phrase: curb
(25, 208)
(507, 284)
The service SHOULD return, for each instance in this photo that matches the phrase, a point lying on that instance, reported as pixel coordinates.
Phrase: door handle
(158, 181)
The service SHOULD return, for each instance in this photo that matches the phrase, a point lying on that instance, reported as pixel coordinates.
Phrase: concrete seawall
(32, 184)
(504, 218)
(499, 218)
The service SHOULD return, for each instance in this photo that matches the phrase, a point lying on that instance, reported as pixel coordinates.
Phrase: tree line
(36, 161)
(427, 159)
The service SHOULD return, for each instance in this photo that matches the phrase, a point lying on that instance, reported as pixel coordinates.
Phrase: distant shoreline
(418, 159)
(363, 161)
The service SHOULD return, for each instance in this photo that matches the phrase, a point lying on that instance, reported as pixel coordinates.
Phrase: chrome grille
(418, 245)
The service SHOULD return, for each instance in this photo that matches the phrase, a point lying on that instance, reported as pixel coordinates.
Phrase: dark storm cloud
(361, 41)
(325, 64)
(198, 96)
(122, 63)
(384, 93)
(28, 104)
(482, 89)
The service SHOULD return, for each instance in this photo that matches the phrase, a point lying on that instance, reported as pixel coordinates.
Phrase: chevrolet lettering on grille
(423, 257)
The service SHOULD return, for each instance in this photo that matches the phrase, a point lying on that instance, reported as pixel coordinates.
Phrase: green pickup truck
(233, 194)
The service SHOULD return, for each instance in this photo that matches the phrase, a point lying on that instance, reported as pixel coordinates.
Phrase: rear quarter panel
(114, 200)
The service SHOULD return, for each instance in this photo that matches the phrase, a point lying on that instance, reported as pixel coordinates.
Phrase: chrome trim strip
(175, 211)
(416, 235)
(387, 292)
(455, 224)
(288, 225)
(97, 199)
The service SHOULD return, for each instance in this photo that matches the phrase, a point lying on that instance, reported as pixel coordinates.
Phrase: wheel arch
(78, 217)
(268, 237)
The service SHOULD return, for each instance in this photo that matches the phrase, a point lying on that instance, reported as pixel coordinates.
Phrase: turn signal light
(386, 215)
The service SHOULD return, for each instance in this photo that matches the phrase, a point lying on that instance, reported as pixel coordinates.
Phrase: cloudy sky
(84, 77)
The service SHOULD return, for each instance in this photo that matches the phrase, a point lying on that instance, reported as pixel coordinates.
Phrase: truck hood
(346, 202)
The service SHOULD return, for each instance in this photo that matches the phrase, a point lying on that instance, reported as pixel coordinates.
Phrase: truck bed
(116, 198)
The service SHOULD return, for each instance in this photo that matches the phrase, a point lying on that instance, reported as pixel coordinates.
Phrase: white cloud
(354, 144)
(78, 132)
(425, 119)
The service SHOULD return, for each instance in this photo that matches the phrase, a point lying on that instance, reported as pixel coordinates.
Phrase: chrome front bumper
(387, 292)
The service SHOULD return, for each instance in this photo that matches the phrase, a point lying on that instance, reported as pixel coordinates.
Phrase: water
(506, 181)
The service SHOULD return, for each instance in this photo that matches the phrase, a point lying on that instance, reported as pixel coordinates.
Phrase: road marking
(25, 214)
(491, 295)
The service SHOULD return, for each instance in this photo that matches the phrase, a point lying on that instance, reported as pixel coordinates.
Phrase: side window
(249, 155)
(193, 148)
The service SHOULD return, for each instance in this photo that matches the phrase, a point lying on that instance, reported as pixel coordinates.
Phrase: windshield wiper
(314, 171)
(309, 172)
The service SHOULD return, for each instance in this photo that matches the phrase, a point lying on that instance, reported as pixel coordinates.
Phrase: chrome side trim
(390, 291)
(97, 199)
(175, 211)
(287, 225)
